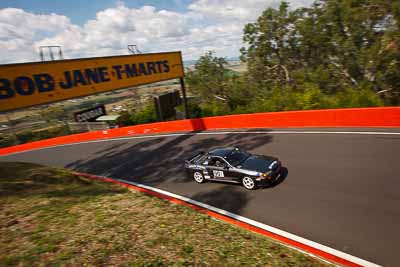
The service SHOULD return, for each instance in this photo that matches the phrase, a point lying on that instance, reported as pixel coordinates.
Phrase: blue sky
(88, 28)
(79, 11)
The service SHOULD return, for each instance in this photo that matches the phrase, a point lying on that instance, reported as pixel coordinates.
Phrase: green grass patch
(49, 216)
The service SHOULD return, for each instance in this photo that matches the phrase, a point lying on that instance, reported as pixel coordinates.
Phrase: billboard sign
(90, 114)
(30, 84)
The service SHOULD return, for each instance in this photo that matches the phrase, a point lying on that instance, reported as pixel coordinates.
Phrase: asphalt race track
(341, 190)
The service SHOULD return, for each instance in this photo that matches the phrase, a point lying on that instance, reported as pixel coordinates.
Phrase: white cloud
(19, 30)
(207, 25)
(239, 9)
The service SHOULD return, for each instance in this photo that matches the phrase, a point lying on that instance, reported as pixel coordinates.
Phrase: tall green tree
(335, 44)
(209, 78)
(271, 46)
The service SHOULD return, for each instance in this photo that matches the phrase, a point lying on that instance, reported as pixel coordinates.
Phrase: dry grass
(51, 217)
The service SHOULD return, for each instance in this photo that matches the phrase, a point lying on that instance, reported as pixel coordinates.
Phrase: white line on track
(268, 228)
(213, 133)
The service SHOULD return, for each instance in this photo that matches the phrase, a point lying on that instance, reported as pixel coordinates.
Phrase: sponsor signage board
(90, 114)
(30, 84)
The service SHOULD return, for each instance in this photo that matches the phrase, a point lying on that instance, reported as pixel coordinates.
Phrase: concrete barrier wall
(352, 117)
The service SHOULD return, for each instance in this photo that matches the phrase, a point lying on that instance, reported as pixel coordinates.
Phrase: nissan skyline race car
(230, 164)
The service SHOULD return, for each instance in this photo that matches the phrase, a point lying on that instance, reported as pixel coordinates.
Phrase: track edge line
(293, 241)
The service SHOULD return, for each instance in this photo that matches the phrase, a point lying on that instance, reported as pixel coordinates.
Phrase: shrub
(30, 136)
(358, 98)
(146, 115)
(7, 140)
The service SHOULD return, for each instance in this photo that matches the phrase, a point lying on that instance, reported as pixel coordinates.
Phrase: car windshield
(236, 157)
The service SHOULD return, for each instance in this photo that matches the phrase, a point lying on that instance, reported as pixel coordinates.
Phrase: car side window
(203, 160)
(221, 163)
(212, 162)
(209, 161)
(215, 162)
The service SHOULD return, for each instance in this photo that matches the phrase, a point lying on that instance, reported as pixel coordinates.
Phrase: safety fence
(352, 117)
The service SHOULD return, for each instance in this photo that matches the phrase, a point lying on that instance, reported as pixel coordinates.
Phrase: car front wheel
(249, 183)
(198, 177)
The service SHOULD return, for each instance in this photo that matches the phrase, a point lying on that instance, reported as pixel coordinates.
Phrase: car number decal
(218, 174)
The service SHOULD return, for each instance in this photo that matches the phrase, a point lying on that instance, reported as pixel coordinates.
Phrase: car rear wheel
(249, 183)
(198, 177)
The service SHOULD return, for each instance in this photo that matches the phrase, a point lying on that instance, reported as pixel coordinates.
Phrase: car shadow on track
(232, 197)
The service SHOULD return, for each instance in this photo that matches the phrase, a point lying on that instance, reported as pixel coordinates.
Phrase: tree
(146, 115)
(336, 45)
(272, 51)
(209, 78)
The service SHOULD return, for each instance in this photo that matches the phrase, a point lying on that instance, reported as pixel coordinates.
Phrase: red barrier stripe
(352, 117)
(282, 239)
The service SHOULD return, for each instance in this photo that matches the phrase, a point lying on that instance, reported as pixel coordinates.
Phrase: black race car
(230, 164)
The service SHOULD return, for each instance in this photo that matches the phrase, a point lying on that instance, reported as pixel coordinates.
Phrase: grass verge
(49, 216)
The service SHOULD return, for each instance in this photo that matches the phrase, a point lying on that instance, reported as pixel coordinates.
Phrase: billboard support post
(184, 97)
(158, 108)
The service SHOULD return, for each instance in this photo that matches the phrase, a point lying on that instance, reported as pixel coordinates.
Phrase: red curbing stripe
(285, 240)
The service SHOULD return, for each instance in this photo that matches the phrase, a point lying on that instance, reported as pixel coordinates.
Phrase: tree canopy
(334, 45)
